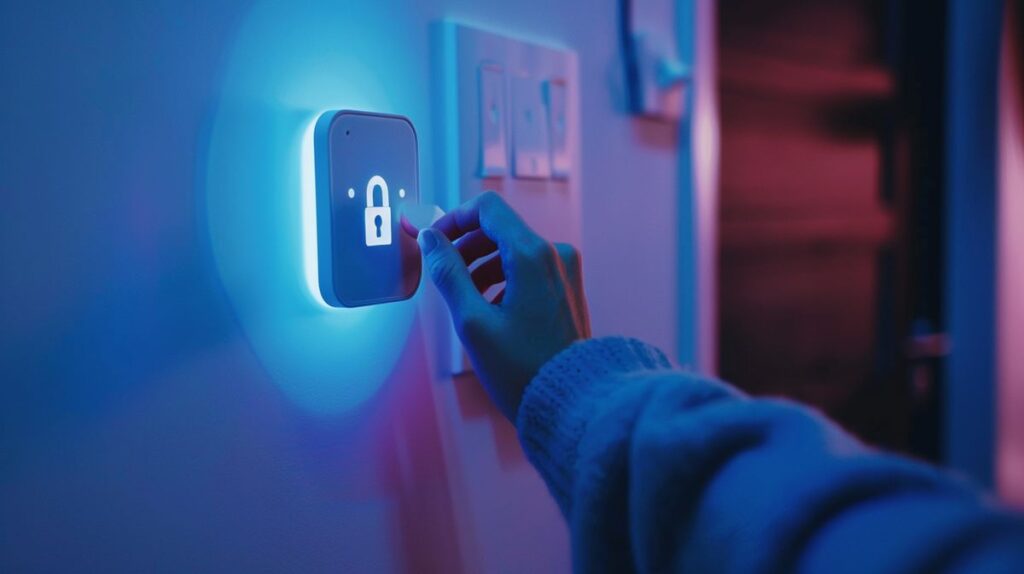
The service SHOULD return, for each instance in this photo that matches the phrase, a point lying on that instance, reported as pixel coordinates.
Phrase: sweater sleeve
(658, 470)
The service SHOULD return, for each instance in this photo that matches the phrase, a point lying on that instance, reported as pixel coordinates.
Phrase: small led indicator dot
(401, 193)
(351, 193)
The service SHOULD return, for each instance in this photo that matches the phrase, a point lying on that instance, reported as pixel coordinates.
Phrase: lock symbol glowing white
(377, 219)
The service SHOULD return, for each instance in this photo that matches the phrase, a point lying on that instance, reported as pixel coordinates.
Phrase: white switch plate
(531, 147)
(551, 204)
(493, 146)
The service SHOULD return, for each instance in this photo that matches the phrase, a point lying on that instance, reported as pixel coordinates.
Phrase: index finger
(487, 211)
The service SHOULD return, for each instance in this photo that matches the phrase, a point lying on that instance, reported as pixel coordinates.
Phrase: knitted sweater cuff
(561, 400)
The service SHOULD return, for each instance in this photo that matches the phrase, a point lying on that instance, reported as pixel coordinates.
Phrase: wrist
(564, 396)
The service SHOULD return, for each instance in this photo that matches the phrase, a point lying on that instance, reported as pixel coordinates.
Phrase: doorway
(831, 214)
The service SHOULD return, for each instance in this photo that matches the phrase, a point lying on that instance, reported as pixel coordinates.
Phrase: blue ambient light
(289, 64)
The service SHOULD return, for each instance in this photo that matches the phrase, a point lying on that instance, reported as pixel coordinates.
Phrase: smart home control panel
(366, 169)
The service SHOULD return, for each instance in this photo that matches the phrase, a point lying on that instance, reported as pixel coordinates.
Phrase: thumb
(448, 271)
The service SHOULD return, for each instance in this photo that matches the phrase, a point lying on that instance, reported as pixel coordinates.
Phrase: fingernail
(427, 240)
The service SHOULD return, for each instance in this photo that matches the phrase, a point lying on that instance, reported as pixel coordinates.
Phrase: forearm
(661, 470)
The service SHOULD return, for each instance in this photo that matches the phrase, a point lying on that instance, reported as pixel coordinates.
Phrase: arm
(659, 470)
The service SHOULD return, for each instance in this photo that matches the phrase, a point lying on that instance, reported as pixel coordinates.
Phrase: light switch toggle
(558, 127)
(493, 149)
(531, 152)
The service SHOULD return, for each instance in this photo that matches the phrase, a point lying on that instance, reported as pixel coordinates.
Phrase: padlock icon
(377, 219)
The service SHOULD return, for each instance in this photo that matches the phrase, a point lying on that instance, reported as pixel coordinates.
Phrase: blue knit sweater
(658, 470)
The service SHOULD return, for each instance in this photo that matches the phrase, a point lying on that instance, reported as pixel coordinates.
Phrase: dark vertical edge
(971, 171)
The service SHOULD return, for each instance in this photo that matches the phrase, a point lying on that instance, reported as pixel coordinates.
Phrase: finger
(475, 245)
(449, 273)
(488, 212)
(487, 274)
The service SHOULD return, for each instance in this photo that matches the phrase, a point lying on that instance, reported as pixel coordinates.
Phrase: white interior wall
(142, 426)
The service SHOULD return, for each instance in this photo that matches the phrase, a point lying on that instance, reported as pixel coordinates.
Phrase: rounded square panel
(366, 169)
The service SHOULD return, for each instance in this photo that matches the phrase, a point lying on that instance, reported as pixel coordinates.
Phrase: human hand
(541, 310)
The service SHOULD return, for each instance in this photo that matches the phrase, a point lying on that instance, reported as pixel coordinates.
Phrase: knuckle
(443, 272)
(472, 324)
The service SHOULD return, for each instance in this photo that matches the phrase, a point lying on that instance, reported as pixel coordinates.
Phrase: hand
(541, 310)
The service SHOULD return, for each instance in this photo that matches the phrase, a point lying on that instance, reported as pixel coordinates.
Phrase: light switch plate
(493, 146)
(531, 147)
(366, 170)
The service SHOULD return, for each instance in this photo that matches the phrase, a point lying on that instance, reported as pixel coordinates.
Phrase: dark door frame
(975, 32)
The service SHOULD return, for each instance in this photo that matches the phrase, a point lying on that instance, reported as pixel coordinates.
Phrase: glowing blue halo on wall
(290, 63)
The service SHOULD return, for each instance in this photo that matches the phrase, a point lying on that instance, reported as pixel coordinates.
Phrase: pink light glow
(1010, 319)
(706, 154)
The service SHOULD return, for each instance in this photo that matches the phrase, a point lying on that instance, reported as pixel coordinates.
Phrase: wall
(170, 402)
(1010, 283)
